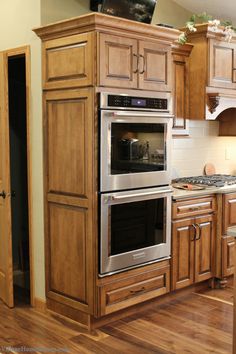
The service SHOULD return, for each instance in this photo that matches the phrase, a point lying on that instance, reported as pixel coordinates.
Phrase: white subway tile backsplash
(190, 154)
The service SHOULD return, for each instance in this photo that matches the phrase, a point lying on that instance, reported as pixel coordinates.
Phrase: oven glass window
(137, 147)
(136, 225)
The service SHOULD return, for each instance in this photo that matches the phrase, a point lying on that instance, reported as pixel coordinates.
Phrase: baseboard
(40, 305)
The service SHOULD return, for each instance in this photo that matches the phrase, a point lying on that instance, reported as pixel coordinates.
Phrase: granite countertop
(231, 231)
(181, 193)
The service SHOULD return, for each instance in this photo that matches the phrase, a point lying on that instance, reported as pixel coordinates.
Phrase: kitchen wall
(190, 154)
(168, 12)
(17, 18)
(56, 10)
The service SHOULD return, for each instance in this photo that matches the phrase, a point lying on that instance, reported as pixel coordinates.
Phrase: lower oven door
(135, 228)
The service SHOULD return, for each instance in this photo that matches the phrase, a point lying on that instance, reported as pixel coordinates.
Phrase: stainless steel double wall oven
(135, 196)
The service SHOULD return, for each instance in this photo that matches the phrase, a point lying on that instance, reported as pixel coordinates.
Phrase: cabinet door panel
(67, 129)
(154, 66)
(69, 180)
(204, 248)
(67, 251)
(182, 253)
(118, 61)
(228, 256)
(229, 211)
(221, 64)
(69, 62)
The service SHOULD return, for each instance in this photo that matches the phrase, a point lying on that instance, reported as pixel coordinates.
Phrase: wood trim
(101, 22)
(234, 328)
(40, 305)
(6, 273)
(25, 50)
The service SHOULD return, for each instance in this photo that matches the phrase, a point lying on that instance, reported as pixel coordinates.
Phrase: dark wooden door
(154, 66)
(118, 61)
(68, 156)
(183, 234)
(204, 248)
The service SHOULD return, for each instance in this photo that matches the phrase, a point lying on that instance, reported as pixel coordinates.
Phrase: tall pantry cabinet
(81, 57)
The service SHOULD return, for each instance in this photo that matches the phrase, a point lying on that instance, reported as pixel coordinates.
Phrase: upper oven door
(134, 150)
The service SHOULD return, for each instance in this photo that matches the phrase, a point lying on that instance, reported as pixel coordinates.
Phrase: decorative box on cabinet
(180, 60)
(212, 72)
(193, 241)
(80, 57)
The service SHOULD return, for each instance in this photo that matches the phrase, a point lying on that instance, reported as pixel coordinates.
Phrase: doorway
(16, 261)
(19, 178)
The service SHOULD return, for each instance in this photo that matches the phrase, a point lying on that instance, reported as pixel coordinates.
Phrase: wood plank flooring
(198, 322)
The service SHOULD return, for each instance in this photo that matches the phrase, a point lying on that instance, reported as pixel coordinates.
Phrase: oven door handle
(130, 196)
(141, 114)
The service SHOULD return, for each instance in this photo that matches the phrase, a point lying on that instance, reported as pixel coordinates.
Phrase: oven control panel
(137, 102)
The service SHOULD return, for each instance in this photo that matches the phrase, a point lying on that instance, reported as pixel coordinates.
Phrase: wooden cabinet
(180, 59)
(118, 65)
(228, 242)
(222, 65)
(134, 286)
(79, 56)
(193, 242)
(68, 183)
(69, 62)
(129, 63)
(212, 72)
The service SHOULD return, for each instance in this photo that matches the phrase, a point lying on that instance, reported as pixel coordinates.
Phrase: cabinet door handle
(199, 232)
(137, 291)
(144, 64)
(194, 208)
(135, 56)
(194, 232)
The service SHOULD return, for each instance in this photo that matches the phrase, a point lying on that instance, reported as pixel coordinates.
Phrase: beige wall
(56, 10)
(17, 18)
(168, 12)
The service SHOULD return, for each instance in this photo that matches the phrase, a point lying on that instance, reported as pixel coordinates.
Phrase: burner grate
(217, 180)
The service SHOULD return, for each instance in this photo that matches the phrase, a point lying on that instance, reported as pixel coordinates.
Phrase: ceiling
(222, 10)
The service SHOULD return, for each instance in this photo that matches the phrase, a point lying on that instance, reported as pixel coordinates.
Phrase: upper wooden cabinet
(222, 65)
(101, 50)
(69, 62)
(212, 72)
(126, 62)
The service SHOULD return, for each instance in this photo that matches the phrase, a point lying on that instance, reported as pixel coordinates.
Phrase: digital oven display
(137, 102)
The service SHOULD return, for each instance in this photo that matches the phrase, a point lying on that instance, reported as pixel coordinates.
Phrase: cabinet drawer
(131, 290)
(187, 208)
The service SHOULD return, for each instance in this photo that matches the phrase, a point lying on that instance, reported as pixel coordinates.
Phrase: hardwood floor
(198, 322)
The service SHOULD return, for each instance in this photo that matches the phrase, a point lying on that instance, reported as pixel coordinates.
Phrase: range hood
(222, 107)
(217, 103)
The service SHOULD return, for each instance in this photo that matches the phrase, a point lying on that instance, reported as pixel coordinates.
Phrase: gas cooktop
(216, 180)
